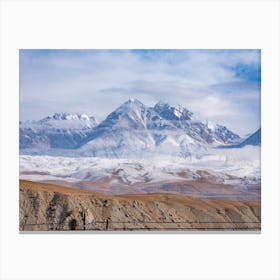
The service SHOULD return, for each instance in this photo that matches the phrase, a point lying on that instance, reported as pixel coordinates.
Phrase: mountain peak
(133, 101)
(58, 116)
(69, 117)
(65, 116)
(69, 121)
(254, 139)
(161, 104)
(172, 113)
(131, 105)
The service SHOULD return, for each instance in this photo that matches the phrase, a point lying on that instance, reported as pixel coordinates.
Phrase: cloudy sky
(219, 85)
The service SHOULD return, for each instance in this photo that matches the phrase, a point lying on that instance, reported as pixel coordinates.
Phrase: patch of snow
(242, 163)
(211, 125)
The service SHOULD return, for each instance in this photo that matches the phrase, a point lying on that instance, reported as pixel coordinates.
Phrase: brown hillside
(51, 207)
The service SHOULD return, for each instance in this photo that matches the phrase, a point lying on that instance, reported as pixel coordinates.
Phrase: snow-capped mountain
(172, 113)
(254, 139)
(133, 129)
(124, 132)
(58, 131)
(181, 118)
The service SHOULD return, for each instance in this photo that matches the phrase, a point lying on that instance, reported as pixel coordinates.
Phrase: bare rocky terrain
(47, 207)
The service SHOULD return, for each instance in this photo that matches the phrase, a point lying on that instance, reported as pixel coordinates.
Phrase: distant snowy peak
(134, 102)
(225, 134)
(131, 106)
(131, 129)
(65, 116)
(254, 139)
(172, 113)
(60, 130)
(77, 121)
(135, 129)
(130, 115)
(182, 118)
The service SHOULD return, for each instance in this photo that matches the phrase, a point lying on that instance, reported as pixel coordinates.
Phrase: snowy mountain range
(61, 130)
(133, 129)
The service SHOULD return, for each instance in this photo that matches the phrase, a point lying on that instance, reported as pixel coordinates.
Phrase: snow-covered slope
(240, 166)
(172, 113)
(132, 130)
(182, 118)
(254, 139)
(58, 131)
(123, 132)
(136, 130)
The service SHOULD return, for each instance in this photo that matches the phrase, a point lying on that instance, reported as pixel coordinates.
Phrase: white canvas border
(156, 24)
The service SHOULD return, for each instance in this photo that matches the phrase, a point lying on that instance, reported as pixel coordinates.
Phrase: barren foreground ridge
(45, 207)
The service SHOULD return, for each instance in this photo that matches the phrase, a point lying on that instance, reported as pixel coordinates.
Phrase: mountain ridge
(61, 130)
(132, 128)
(254, 140)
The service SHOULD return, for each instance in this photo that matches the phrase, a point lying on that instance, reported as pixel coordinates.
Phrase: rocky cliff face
(45, 207)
